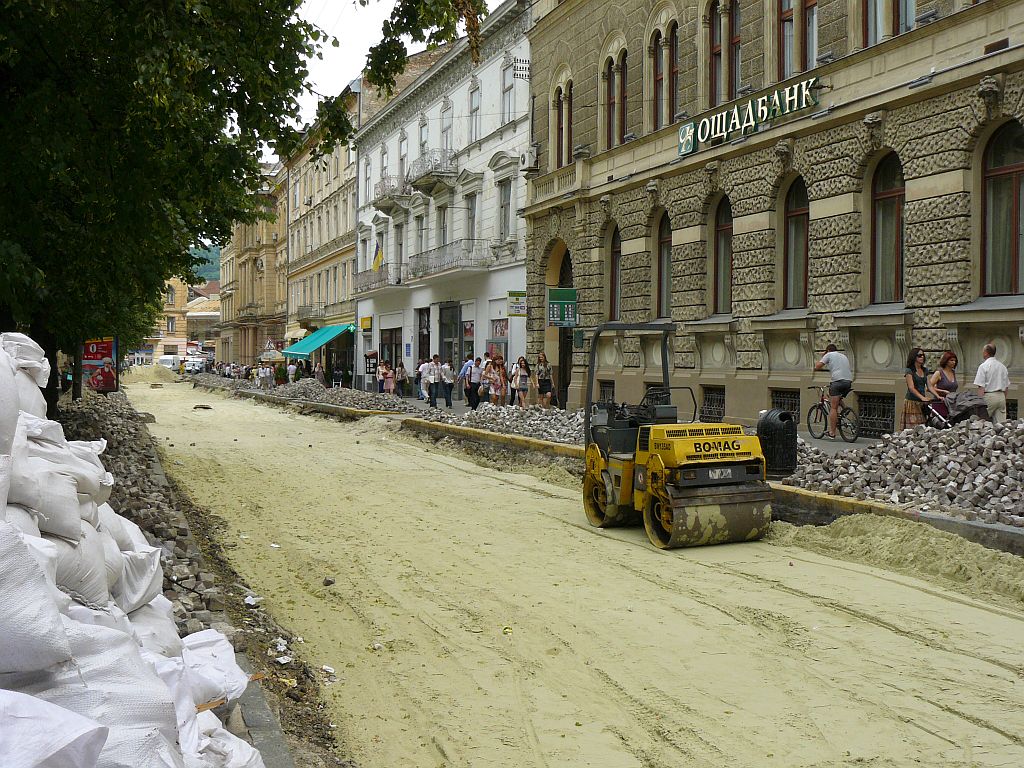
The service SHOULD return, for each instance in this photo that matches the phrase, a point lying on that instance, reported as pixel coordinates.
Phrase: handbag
(482, 390)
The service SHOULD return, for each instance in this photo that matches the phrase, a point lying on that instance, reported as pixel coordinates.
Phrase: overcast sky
(357, 28)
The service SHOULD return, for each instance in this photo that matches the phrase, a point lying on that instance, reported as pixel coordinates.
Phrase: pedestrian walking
(473, 387)
(401, 379)
(389, 379)
(380, 377)
(292, 368)
(992, 381)
(423, 386)
(545, 380)
(318, 372)
(433, 377)
(463, 376)
(521, 379)
(840, 383)
(916, 375)
(447, 382)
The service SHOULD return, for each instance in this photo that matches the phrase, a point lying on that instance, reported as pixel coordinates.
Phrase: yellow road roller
(689, 483)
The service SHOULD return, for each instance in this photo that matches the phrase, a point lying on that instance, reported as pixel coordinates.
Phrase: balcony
(310, 313)
(369, 281)
(341, 311)
(389, 194)
(456, 256)
(559, 183)
(435, 171)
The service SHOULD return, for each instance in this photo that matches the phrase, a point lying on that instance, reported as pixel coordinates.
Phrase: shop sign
(745, 118)
(562, 307)
(516, 304)
(408, 349)
(99, 364)
(366, 323)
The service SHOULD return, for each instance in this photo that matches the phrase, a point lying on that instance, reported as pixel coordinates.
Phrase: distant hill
(211, 269)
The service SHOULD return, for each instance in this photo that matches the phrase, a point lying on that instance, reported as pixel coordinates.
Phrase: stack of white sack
(90, 658)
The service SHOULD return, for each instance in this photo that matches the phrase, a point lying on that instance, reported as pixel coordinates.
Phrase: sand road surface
(477, 620)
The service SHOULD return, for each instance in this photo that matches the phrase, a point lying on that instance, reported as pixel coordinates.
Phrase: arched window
(1003, 256)
(734, 48)
(673, 72)
(721, 299)
(609, 101)
(715, 41)
(622, 97)
(664, 305)
(787, 38)
(658, 91)
(887, 198)
(568, 122)
(559, 129)
(615, 276)
(795, 243)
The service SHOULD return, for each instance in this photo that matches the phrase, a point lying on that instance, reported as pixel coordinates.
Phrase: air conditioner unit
(528, 160)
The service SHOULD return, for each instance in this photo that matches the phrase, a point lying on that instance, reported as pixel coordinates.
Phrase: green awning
(317, 339)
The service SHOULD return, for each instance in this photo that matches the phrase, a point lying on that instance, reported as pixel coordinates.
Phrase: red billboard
(99, 364)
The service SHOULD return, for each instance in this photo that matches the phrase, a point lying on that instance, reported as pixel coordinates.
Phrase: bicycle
(817, 418)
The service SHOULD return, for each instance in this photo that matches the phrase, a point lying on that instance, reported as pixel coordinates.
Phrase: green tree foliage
(133, 129)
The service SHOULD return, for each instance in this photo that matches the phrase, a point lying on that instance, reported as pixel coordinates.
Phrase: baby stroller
(959, 406)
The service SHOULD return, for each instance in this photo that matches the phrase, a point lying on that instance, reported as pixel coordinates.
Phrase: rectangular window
(424, 138)
(906, 14)
(366, 182)
(399, 245)
(504, 210)
(810, 34)
(715, 69)
(735, 24)
(470, 216)
(335, 276)
(872, 22)
(446, 129)
(170, 324)
(383, 163)
(474, 115)
(442, 224)
(403, 155)
(787, 39)
(420, 233)
(507, 95)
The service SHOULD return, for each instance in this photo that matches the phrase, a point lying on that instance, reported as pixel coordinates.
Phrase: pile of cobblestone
(974, 471)
(534, 421)
(141, 494)
(312, 391)
(367, 401)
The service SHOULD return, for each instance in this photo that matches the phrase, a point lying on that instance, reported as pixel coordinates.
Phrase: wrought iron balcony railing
(391, 186)
(456, 255)
(310, 312)
(386, 276)
(435, 161)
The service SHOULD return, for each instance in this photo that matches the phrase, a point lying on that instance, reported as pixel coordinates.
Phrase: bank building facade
(774, 176)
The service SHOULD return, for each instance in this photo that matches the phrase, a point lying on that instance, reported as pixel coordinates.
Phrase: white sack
(81, 569)
(172, 671)
(110, 617)
(211, 668)
(30, 624)
(92, 481)
(41, 428)
(5, 477)
(46, 554)
(128, 535)
(112, 559)
(21, 518)
(37, 734)
(22, 347)
(111, 684)
(223, 749)
(9, 403)
(154, 626)
(142, 579)
(30, 396)
(51, 496)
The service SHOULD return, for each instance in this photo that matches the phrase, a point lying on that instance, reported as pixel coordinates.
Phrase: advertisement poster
(99, 364)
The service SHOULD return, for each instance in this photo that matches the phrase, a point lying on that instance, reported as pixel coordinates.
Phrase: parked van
(169, 361)
(195, 364)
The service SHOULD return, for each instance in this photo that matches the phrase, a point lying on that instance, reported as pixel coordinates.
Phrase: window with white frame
(474, 114)
(171, 324)
(442, 224)
(420, 233)
(403, 156)
(446, 128)
(505, 209)
(383, 162)
(508, 94)
(470, 201)
(424, 137)
(366, 181)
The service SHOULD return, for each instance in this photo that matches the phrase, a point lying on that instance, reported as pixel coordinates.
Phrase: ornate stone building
(773, 177)
(252, 283)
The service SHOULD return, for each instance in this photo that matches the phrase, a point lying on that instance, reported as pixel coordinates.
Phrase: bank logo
(686, 138)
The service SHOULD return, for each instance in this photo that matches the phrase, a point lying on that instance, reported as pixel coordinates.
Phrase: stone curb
(789, 503)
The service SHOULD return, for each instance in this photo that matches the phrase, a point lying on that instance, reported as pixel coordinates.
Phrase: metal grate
(644, 439)
(787, 400)
(607, 392)
(705, 432)
(712, 407)
(1011, 409)
(877, 414)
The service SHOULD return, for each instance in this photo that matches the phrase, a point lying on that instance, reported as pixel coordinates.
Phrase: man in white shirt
(433, 378)
(475, 377)
(291, 372)
(840, 384)
(992, 381)
(424, 384)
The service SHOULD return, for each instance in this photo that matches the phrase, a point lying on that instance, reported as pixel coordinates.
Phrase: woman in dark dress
(916, 376)
(943, 381)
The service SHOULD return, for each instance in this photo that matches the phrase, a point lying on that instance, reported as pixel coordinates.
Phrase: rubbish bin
(776, 429)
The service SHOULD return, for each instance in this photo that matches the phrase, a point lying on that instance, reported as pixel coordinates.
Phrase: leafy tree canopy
(132, 130)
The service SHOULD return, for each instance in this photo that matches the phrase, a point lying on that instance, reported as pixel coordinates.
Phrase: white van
(194, 364)
(169, 361)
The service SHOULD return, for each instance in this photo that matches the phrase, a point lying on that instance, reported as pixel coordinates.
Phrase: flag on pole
(378, 258)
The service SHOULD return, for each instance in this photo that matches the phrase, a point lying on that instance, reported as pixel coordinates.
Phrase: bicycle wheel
(817, 420)
(848, 426)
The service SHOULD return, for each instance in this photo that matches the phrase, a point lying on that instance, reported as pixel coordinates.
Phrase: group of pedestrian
(924, 385)
(485, 379)
(391, 379)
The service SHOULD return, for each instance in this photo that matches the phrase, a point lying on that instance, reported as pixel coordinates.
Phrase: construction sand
(477, 620)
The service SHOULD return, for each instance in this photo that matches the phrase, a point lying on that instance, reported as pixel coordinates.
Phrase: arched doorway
(558, 341)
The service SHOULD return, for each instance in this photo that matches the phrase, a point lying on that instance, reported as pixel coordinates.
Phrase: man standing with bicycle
(838, 366)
